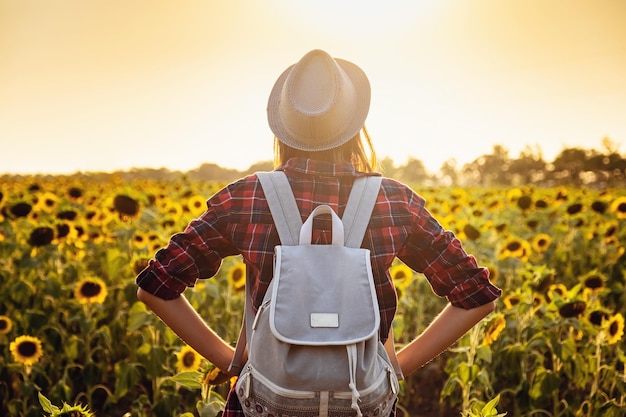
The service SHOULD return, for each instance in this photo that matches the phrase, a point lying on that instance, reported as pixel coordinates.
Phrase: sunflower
(47, 202)
(77, 410)
(575, 208)
(140, 239)
(598, 317)
(21, 209)
(541, 242)
(593, 281)
(196, 205)
(26, 349)
(618, 206)
(511, 301)
(90, 290)
(495, 328)
(5, 324)
(188, 359)
(572, 309)
(471, 232)
(599, 206)
(515, 248)
(559, 290)
(215, 377)
(126, 206)
(524, 202)
(41, 236)
(237, 276)
(173, 209)
(615, 328)
(401, 275)
(493, 273)
(75, 193)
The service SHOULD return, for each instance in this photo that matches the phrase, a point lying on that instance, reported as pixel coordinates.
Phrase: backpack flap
(315, 287)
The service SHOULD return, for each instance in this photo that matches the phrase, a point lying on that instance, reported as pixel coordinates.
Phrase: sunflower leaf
(189, 379)
(46, 404)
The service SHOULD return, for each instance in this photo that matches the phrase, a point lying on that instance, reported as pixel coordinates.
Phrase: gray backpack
(313, 347)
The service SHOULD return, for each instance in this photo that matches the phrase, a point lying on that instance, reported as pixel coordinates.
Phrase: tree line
(572, 166)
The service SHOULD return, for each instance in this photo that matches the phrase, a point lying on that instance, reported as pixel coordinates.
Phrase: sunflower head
(76, 410)
(215, 376)
(515, 248)
(541, 242)
(402, 276)
(41, 236)
(572, 309)
(598, 317)
(618, 207)
(615, 329)
(196, 205)
(90, 290)
(237, 276)
(593, 281)
(495, 329)
(188, 359)
(556, 291)
(6, 324)
(511, 301)
(471, 232)
(126, 206)
(26, 350)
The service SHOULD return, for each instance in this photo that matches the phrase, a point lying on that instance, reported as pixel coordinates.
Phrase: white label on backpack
(324, 320)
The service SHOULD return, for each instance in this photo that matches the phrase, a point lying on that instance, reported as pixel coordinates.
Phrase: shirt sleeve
(195, 253)
(440, 256)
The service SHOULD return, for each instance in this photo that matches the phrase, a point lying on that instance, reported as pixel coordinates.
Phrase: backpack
(314, 347)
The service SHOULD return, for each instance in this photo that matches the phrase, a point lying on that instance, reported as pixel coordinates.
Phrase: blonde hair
(358, 151)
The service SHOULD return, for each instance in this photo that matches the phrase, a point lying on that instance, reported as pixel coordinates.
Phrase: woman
(317, 111)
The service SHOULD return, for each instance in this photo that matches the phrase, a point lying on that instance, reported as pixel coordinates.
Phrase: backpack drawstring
(352, 364)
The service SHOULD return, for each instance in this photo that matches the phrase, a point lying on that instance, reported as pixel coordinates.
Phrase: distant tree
(529, 167)
(260, 166)
(413, 171)
(387, 167)
(449, 170)
(213, 172)
(490, 169)
(569, 165)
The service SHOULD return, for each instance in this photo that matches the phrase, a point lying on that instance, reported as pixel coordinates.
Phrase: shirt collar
(305, 166)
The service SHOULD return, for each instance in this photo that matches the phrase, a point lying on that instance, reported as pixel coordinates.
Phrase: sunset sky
(102, 85)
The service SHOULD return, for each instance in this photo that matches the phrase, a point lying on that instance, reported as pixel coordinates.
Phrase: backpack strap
(288, 222)
(358, 211)
(283, 206)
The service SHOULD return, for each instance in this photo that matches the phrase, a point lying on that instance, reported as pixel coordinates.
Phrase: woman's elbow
(489, 307)
(143, 295)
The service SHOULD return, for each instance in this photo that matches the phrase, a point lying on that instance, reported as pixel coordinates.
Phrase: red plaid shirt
(238, 222)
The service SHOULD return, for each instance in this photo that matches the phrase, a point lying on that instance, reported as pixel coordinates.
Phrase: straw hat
(319, 103)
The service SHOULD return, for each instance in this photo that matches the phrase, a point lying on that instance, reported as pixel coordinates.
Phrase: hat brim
(363, 96)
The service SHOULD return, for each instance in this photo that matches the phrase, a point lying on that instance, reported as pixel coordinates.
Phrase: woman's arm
(185, 321)
(452, 323)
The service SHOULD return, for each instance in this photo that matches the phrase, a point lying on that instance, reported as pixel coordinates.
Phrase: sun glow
(346, 19)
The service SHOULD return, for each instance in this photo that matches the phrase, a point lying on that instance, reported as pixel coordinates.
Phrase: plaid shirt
(238, 222)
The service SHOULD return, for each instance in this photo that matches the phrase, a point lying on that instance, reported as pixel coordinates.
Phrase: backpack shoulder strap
(283, 206)
(286, 216)
(356, 215)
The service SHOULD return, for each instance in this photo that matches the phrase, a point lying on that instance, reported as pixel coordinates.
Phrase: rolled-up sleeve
(440, 256)
(196, 253)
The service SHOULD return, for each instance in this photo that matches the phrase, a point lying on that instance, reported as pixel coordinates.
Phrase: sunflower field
(74, 340)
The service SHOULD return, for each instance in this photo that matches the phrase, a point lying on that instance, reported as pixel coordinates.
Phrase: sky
(105, 85)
